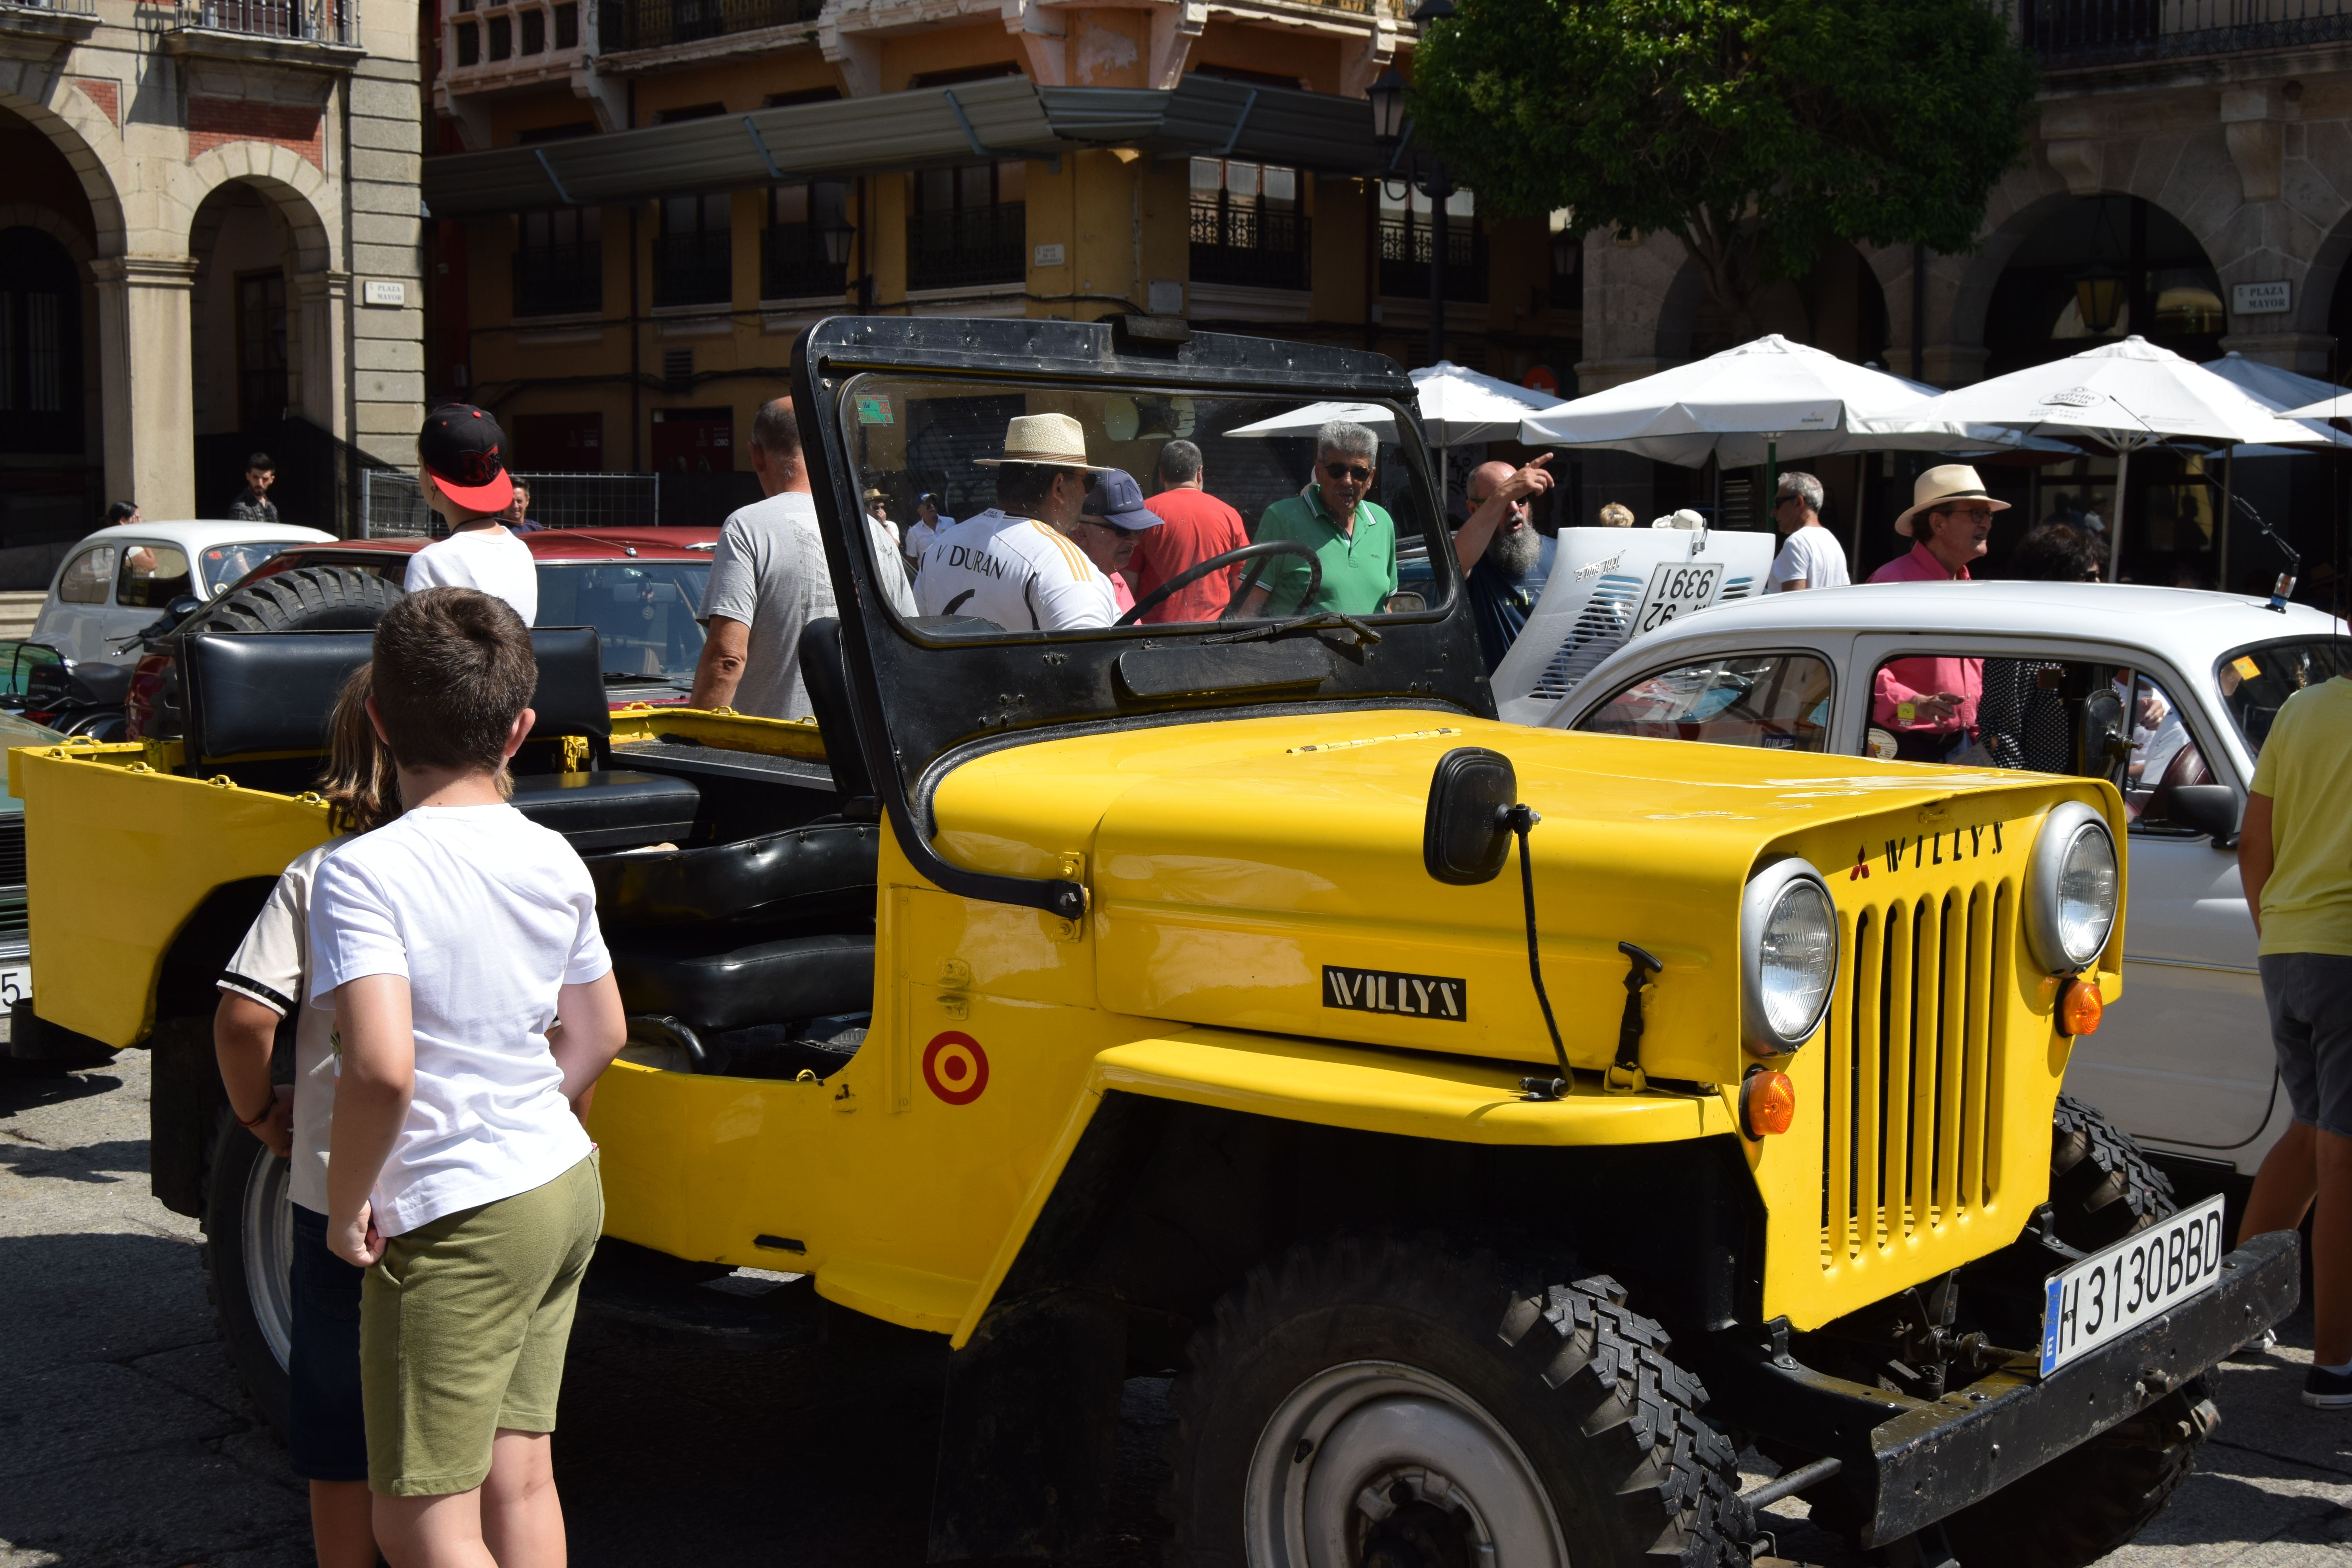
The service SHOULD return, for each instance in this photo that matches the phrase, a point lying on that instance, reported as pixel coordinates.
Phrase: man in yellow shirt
(2295, 856)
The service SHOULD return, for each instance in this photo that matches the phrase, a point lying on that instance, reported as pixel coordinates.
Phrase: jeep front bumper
(1911, 1462)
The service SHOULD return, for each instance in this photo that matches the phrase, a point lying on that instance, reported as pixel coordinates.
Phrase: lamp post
(1387, 97)
(839, 235)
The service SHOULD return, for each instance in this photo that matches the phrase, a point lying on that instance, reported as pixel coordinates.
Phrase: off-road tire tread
(298, 599)
(1674, 1477)
(2102, 1187)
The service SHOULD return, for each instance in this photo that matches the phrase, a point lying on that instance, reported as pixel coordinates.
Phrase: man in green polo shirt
(1352, 537)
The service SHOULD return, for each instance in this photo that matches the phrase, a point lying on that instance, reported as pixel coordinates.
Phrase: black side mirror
(2208, 808)
(1465, 839)
(2103, 738)
(183, 606)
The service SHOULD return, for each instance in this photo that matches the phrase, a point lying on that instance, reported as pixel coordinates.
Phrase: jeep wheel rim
(1378, 1464)
(267, 1245)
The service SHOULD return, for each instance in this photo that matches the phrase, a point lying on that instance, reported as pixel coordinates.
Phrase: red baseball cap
(463, 448)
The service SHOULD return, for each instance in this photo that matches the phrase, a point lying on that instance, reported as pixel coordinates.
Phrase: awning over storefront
(1013, 117)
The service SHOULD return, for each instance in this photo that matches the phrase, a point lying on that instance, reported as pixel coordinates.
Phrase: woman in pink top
(1929, 705)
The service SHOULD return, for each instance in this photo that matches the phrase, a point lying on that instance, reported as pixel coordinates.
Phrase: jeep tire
(306, 599)
(1413, 1404)
(2092, 1498)
(249, 1257)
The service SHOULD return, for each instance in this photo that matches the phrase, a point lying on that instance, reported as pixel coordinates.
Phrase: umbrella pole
(2116, 523)
(2221, 529)
(1771, 478)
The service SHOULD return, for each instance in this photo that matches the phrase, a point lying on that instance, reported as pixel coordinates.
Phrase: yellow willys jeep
(1498, 1130)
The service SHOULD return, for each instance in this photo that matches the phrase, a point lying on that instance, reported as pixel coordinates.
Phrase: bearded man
(1504, 558)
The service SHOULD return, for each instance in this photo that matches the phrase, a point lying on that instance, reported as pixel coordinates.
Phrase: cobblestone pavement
(125, 1443)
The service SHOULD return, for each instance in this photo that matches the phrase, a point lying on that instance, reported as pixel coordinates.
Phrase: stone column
(2306, 353)
(322, 299)
(149, 398)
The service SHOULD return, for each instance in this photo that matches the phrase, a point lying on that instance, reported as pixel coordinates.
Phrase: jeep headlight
(1788, 954)
(2072, 885)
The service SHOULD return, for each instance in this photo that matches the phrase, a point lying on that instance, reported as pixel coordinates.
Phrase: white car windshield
(2255, 682)
(223, 564)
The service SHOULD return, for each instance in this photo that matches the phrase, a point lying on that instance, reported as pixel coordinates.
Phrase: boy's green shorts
(463, 1325)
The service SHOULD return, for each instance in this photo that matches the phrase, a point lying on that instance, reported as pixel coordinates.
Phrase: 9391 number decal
(1676, 588)
(2136, 1280)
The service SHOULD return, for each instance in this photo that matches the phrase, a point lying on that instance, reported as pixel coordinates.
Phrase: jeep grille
(1911, 1071)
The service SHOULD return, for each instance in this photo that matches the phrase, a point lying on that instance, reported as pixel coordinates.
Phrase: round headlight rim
(1762, 895)
(2066, 822)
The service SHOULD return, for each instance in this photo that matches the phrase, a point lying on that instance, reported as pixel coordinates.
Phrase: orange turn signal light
(2080, 1007)
(1768, 1103)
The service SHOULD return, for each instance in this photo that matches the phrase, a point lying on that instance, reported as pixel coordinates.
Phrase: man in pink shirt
(1929, 705)
(1195, 526)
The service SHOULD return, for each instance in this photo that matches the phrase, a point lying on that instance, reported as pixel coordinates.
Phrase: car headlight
(1789, 955)
(2073, 883)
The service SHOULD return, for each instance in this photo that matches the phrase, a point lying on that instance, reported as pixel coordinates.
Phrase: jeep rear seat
(257, 701)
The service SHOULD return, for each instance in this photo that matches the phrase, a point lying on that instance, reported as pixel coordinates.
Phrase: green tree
(1753, 130)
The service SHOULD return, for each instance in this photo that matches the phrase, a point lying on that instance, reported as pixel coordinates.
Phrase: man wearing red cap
(466, 485)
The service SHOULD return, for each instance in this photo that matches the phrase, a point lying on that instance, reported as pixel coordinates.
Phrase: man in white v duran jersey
(1015, 563)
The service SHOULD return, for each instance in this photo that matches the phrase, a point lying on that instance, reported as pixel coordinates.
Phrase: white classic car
(118, 581)
(2167, 691)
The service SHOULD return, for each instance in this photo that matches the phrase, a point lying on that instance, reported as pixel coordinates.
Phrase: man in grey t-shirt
(769, 581)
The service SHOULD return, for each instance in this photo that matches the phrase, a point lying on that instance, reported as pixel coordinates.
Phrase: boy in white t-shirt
(449, 943)
(466, 485)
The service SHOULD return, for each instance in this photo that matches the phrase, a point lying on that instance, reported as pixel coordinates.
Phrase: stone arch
(2315, 294)
(81, 132)
(51, 221)
(288, 180)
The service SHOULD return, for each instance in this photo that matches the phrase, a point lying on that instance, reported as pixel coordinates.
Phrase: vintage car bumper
(1909, 1463)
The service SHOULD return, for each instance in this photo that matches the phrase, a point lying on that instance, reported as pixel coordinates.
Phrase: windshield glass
(1022, 509)
(225, 564)
(643, 612)
(2256, 682)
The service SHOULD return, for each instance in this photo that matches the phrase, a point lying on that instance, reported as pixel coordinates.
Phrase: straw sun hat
(1054, 440)
(1953, 481)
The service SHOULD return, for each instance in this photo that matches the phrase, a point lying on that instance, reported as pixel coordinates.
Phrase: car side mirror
(183, 606)
(2208, 808)
(1465, 839)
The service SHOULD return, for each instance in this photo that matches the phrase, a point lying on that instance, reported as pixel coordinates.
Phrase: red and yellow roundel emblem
(955, 1067)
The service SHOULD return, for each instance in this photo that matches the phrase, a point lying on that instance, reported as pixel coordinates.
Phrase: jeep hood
(1268, 874)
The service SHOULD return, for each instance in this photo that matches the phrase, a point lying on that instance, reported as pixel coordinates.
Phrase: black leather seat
(255, 697)
(767, 983)
(817, 870)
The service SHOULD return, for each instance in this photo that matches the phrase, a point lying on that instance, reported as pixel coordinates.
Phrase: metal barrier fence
(392, 507)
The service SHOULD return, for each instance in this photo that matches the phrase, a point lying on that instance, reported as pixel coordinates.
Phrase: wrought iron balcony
(623, 25)
(1242, 243)
(793, 264)
(694, 269)
(2082, 33)
(1405, 259)
(558, 280)
(967, 247)
(314, 21)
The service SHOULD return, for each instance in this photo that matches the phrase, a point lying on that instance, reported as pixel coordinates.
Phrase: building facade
(2188, 178)
(209, 243)
(635, 201)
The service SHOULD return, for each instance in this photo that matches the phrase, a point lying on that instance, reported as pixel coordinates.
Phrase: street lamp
(1386, 95)
(2099, 296)
(839, 236)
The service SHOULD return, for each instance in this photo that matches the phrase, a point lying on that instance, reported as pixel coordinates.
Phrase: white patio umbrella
(1457, 405)
(2337, 404)
(2125, 395)
(2285, 393)
(1764, 402)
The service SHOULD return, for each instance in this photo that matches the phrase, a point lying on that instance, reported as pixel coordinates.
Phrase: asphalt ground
(126, 1442)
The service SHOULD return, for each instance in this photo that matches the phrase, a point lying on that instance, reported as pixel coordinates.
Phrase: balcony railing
(2080, 32)
(1240, 242)
(967, 247)
(694, 269)
(1404, 260)
(793, 264)
(657, 24)
(317, 21)
(558, 280)
(511, 37)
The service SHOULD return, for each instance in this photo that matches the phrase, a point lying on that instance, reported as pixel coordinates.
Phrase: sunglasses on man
(1347, 471)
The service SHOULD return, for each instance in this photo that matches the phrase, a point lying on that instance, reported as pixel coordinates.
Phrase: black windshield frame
(947, 696)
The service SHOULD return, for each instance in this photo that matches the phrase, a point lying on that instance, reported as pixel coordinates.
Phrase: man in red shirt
(1929, 705)
(1195, 525)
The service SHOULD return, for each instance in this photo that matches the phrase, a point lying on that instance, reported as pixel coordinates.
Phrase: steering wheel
(1259, 553)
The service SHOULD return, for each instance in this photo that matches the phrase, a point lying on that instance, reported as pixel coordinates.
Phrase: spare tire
(306, 599)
